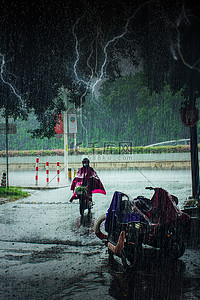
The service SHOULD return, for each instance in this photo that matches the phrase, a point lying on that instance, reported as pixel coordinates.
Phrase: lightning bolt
(183, 16)
(77, 51)
(173, 52)
(89, 84)
(194, 65)
(92, 83)
(2, 72)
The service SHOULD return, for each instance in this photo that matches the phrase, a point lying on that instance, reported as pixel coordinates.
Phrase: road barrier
(70, 174)
(36, 170)
(47, 171)
(58, 172)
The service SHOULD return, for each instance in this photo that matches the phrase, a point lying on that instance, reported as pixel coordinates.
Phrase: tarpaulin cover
(122, 211)
(165, 210)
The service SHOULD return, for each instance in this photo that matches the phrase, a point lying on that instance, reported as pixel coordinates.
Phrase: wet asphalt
(48, 252)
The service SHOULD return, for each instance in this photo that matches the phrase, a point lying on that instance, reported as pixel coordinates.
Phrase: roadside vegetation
(99, 151)
(11, 194)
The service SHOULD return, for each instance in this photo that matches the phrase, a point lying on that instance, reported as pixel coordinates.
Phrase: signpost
(6, 128)
(72, 121)
(11, 128)
(59, 126)
(72, 124)
(65, 132)
(69, 123)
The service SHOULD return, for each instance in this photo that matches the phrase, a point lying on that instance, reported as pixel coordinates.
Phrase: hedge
(95, 151)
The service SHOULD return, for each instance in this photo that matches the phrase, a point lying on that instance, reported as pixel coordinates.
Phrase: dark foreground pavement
(73, 271)
(47, 253)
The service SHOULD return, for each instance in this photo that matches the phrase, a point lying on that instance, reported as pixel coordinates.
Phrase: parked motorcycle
(132, 223)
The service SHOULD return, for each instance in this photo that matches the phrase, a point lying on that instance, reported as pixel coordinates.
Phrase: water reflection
(86, 220)
(83, 228)
(152, 280)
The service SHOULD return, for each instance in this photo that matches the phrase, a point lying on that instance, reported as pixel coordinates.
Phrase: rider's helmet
(85, 162)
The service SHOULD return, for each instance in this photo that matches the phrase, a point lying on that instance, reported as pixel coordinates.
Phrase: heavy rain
(48, 251)
(118, 84)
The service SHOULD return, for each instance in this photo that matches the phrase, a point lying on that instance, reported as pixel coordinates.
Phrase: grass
(13, 193)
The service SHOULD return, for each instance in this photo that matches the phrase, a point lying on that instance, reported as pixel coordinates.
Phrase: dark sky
(38, 44)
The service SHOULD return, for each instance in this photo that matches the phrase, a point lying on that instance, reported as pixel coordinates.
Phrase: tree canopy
(75, 44)
(125, 112)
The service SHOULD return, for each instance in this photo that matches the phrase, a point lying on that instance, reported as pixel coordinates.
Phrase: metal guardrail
(171, 143)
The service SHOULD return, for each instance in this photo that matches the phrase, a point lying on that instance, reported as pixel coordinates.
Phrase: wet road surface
(48, 252)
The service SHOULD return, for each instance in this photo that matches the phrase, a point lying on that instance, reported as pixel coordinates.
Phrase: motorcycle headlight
(138, 225)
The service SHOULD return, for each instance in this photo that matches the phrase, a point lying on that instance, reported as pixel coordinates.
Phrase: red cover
(165, 210)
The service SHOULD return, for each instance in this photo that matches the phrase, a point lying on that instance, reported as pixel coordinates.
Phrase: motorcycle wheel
(127, 262)
(81, 209)
(176, 247)
(89, 208)
(98, 228)
(130, 261)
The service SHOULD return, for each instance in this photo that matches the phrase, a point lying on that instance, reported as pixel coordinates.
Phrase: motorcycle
(130, 224)
(84, 201)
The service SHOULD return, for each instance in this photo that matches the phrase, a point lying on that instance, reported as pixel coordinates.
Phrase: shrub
(98, 151)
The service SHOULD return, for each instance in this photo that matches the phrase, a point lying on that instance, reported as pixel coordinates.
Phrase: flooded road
(48, 252)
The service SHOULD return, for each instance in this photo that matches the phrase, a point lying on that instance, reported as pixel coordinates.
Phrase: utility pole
(65, 129)
(190, 117)
(7, 183)
(194, 161)
(74, 136)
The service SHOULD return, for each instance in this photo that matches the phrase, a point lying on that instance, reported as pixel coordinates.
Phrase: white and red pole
(47, 171)
(58, 172)
(36, 170)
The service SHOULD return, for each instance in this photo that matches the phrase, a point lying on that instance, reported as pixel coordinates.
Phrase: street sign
(12, 128)
(59, 126)
(72, 121)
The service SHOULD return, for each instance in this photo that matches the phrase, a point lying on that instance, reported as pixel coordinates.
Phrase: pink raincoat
(87, 177)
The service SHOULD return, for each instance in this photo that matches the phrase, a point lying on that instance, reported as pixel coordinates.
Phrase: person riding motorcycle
(87, 177)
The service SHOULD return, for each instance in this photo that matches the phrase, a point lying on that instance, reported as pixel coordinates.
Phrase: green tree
(127, 111)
